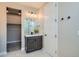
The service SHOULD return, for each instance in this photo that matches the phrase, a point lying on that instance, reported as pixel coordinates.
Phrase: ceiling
(36, 5)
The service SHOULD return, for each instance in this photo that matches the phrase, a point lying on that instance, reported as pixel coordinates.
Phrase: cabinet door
(31, 44)
(38, 42)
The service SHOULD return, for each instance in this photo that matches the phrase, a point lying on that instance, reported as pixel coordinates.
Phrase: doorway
(13, 29)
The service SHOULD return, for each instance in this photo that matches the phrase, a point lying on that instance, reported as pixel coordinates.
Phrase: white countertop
(33, 35)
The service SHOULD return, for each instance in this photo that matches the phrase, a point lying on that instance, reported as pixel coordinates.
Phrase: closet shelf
(13, 42)
(13, 24)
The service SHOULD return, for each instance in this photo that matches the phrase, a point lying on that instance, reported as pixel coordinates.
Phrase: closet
(13, 29)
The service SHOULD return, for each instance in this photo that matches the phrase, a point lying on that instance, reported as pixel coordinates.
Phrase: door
(50, 29)
(68, 43)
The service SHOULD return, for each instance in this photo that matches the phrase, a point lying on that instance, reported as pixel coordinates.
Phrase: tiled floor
(39, 53)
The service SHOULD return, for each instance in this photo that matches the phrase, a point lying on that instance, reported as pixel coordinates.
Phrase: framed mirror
(31, 26)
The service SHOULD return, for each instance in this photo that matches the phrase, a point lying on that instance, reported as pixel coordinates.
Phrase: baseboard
(53, 55)
(3, 53)
(22, 49)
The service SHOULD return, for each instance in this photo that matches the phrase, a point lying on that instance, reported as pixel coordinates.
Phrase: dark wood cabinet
(33, 43)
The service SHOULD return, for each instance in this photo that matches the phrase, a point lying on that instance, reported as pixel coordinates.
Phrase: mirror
(31, 26)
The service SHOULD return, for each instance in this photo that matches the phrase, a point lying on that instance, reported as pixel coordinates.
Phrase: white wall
(2, 29)
(13, 19)
(68, 43)
(41, 21)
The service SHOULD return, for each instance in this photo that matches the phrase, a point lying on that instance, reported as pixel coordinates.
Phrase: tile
(19, 53)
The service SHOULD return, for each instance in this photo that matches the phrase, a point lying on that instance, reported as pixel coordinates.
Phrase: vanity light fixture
(31, 14)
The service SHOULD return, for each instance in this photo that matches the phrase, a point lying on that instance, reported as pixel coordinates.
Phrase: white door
(68, 43)
(50, 29)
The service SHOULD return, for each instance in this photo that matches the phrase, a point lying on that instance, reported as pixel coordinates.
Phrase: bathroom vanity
(33, 38)
(33, 43)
